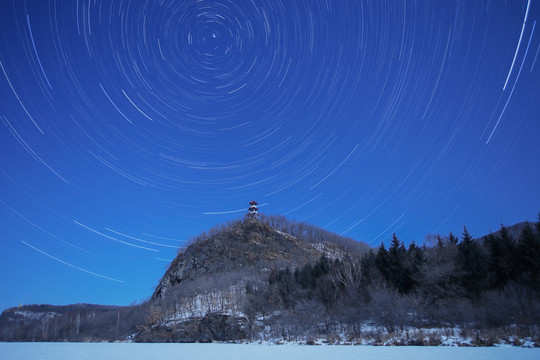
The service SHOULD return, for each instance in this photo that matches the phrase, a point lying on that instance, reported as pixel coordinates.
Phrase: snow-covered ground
(132, 351)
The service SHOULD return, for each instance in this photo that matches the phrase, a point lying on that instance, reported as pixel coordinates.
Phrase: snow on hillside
(35, 315)
(289, 236)
(331, 252)
(221, 302)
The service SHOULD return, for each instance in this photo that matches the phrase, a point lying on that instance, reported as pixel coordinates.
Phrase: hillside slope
(203, 295)
(240, 245)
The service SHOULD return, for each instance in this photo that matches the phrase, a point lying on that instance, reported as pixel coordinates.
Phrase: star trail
(126, 127)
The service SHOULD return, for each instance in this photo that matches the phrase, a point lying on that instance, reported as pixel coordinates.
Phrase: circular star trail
(129, 126)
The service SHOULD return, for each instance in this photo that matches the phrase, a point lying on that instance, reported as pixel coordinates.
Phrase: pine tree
(306, 277)
(382, 261)
(283, 286)
(399, 269)
(416, 261)
(452, 239)
(396, 255)
(321, 267)
(368, 265)
(395, 249)
(395, 260)
(472, 264)
(416, 254)
(528, 253)
(502, 261)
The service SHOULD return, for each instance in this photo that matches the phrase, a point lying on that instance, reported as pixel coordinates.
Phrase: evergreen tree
(395, 260)
(400, 271)
(452, 239)
(472, 264)
(368, 265)
(306, 277)
(283, 286)
(416, 261)
(321, 267)
(501, 261)
(416, 254)
(528, 253)
(382, 261)
(396, 255)
(395, 247)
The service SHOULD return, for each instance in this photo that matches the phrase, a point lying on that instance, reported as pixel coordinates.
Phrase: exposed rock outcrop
(250, 244)
(209, 328)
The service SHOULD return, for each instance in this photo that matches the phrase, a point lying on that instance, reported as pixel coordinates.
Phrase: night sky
(128, 126)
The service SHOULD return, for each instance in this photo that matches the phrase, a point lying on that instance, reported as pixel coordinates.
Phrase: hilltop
(252, 245)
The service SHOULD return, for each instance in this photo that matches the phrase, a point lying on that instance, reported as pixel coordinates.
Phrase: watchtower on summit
(253, 214)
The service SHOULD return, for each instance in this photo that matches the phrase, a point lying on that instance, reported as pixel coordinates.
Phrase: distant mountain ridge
(513, 230)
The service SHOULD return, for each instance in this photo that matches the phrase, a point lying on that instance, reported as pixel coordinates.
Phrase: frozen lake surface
(132, 351)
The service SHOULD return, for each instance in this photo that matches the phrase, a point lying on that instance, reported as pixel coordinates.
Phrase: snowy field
(132, 351)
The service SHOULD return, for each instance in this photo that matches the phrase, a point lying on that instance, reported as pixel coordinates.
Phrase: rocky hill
(252, 245)
(202, 295)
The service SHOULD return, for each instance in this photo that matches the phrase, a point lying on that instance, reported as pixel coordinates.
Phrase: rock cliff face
(209, 328)
(242, 245)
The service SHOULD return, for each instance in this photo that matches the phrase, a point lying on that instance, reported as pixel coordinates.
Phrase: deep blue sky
(128, 126)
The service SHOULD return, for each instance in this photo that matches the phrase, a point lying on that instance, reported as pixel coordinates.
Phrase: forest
(448, 282)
